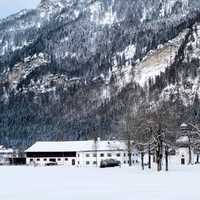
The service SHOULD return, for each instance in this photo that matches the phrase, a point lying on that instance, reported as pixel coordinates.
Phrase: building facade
(79, 154)
(186, 152)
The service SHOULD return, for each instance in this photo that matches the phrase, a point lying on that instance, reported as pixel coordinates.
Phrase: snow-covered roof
(78, 146)
(6, 151)
(184, 125)
(183, 139)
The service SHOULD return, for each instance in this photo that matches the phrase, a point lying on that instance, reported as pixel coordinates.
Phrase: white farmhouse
(79, 153)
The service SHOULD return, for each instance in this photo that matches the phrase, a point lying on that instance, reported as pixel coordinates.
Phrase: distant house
(78, 153)
(5, 155)
(185, 152)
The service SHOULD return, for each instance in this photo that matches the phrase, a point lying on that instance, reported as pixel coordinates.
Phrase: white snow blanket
(60, 183)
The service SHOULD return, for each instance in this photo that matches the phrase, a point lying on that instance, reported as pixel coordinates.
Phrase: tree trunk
(197, 161)
(190, 153)
(142, 160)
(154, 156)
(166, 158)
(149, 152)
(159, 162)
(159, 150)
(190, 156)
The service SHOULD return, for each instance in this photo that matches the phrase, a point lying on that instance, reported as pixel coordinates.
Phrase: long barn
(79, 153)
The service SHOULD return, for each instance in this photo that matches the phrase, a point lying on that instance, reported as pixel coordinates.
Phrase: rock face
(70, 67)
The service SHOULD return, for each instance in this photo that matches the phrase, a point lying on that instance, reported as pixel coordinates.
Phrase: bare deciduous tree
(151, 128)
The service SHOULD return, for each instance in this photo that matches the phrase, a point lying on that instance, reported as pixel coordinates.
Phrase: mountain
(69, 69)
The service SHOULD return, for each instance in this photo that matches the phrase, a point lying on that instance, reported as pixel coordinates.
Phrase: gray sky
(8, 7)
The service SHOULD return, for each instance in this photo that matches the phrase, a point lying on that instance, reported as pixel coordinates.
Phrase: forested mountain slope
(70, 69)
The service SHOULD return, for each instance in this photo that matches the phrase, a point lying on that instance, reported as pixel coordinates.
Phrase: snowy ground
(59, 183)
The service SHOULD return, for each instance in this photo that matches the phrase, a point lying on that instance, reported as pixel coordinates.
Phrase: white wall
(175, 159)
(87, 159)
(182, 153)
(44, 161)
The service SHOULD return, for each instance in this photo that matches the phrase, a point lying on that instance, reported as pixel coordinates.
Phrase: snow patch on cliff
(157, 61)
(101, 15)
(23, 69)
(168, 5)
(186, 91)
(192, 51)
(129, 52)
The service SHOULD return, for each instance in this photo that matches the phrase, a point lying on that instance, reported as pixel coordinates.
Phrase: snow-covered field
(60, 183)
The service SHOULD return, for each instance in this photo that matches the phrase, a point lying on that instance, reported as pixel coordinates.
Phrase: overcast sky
(8, 7)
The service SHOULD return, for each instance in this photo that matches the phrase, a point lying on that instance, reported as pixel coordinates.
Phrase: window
(87, 155)
(94, 155)
(109, 155)
(78, 162)
(52, 160)
(133, 154)
(38, 159)
(73, 162)
(66, 159)
(45, 159)
(95, 162)
(124, 162)
(78, 155)
(118, 155)
(59, 159)
(87, 162)
(102, 154)
(124, 155)
(133, 162)
(31, 160)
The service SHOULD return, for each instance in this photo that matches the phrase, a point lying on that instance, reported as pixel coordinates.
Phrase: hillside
(69, 68)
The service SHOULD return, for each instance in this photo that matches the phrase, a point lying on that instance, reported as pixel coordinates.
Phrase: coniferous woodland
(64, 76)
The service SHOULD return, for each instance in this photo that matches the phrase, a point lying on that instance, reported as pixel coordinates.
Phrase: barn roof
(78, 146)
